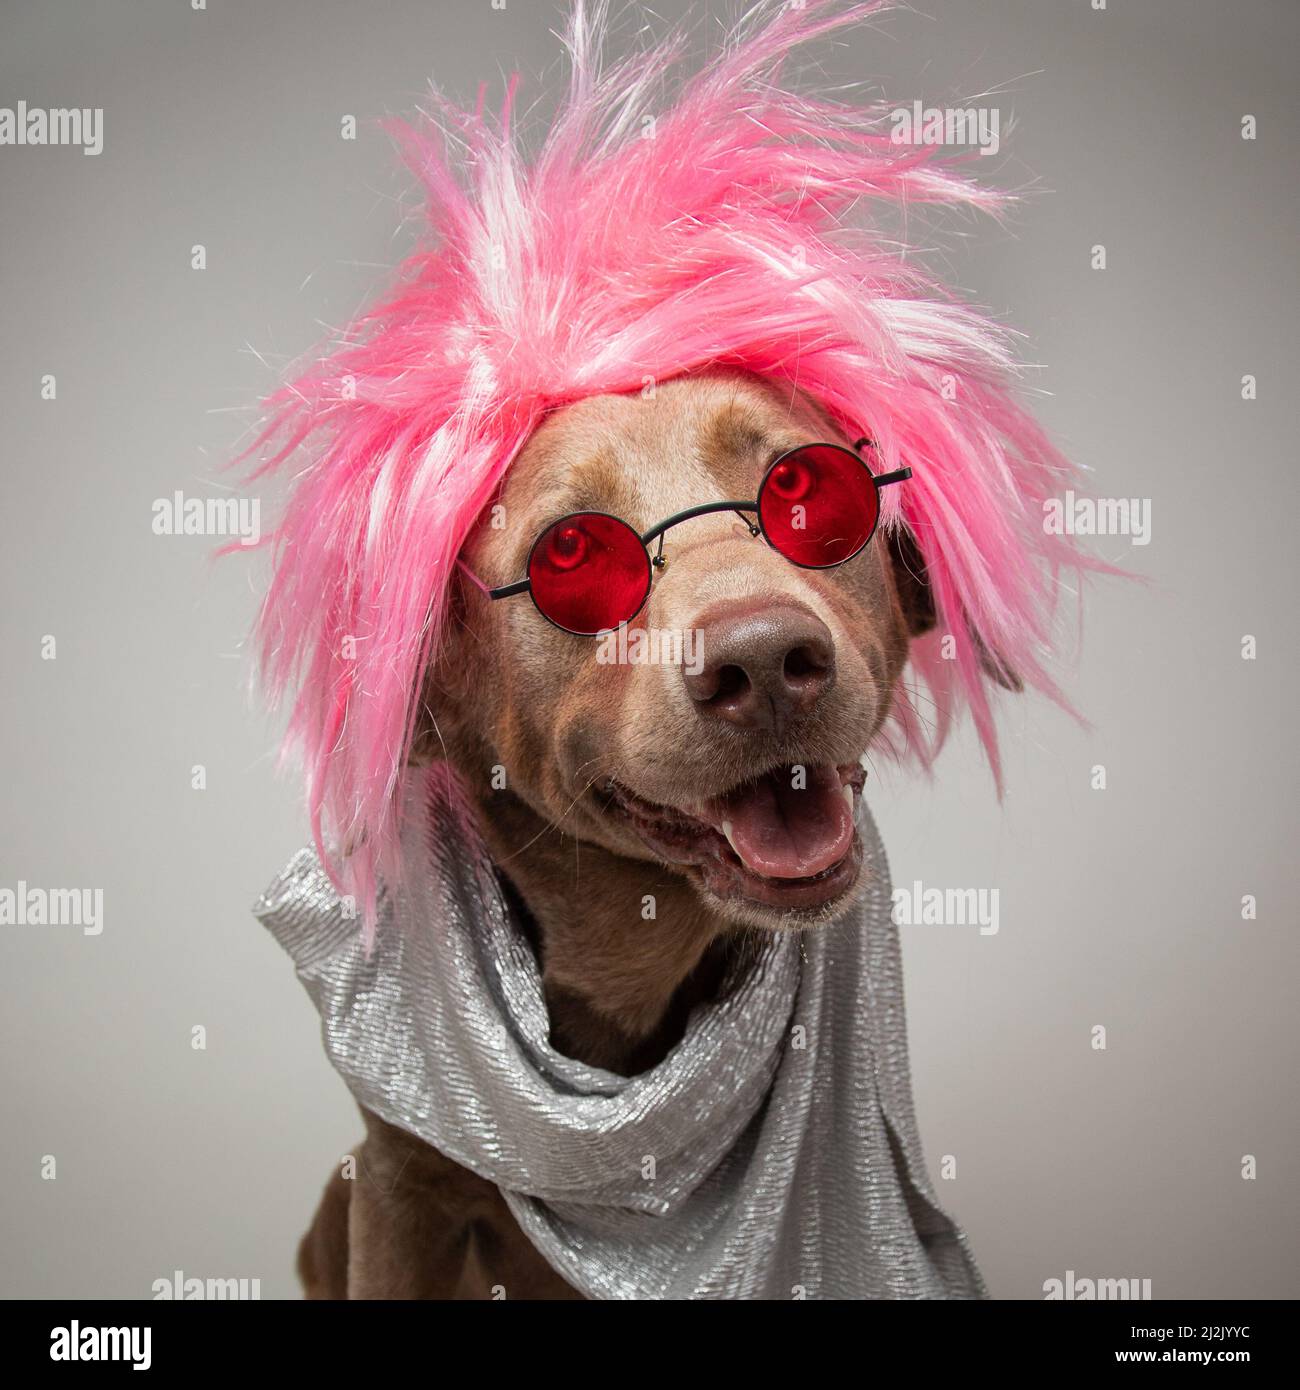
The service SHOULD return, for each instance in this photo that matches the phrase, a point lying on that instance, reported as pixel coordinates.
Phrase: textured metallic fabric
(772, 1154)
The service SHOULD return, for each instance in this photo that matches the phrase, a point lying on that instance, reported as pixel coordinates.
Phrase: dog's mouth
(787, 839)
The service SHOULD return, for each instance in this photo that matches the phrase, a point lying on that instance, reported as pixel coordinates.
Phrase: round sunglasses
(589, 573)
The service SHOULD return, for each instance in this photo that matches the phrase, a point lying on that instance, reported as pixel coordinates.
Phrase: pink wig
(646, 238)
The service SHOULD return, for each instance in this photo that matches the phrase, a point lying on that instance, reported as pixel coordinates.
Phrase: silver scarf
(772, 1154)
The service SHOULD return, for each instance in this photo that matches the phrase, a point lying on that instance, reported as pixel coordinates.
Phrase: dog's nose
(762, 668)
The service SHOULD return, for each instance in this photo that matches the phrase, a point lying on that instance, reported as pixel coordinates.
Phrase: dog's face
(738, 765)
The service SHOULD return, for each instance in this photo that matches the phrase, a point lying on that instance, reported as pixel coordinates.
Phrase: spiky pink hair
(645, 239)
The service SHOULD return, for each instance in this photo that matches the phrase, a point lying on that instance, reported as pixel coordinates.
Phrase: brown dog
(618, 778)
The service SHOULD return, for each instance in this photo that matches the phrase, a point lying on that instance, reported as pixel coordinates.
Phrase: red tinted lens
(818, 506)
(589, 573)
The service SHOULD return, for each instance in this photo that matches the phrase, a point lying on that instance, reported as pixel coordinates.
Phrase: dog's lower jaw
(790, 880)
(843, 884)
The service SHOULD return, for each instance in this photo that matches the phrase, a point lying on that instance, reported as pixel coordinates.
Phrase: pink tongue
(781, 832)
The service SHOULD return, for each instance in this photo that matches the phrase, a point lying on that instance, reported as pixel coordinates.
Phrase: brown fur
(511, 691)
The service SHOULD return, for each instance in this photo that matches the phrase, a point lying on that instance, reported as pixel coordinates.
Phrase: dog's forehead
(646, 455)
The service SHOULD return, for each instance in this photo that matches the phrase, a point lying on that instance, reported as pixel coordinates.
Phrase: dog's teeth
(847, 789)
(726, 830)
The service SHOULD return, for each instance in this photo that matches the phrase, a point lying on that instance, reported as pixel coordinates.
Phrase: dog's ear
(994, 666)
(447, 685)
(911, 581)
(913, 586)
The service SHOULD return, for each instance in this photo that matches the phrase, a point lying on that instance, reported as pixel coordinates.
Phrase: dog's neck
(626, 948)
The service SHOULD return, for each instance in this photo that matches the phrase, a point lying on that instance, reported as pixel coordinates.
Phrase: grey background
(1118, 907)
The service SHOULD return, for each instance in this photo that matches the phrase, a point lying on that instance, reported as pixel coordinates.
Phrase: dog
(715, 339)
(610, 766)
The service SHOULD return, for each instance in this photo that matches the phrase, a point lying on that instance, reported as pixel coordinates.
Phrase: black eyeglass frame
(660, 529)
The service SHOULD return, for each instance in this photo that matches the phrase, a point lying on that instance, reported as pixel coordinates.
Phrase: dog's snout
(762, 668)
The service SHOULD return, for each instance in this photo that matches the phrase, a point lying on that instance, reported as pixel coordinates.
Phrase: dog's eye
(792, 480)
(567, 547)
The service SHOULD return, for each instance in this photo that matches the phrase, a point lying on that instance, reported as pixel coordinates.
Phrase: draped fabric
(773, 1153)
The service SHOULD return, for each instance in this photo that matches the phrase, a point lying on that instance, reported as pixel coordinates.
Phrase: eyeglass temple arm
(899, 475)
(521, 586)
